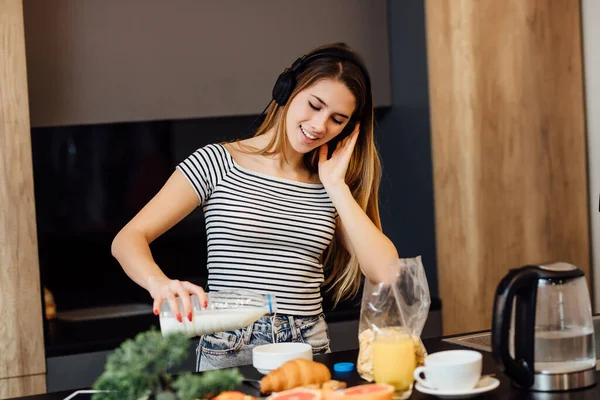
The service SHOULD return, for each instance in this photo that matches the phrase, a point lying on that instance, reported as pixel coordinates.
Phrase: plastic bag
(402, 303)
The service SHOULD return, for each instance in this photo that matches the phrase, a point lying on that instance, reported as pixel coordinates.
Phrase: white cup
(450, 370)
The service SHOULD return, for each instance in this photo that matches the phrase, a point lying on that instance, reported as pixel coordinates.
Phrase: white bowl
(268, 357)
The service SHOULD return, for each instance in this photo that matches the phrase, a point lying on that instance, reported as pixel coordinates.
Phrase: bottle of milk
(227, 310)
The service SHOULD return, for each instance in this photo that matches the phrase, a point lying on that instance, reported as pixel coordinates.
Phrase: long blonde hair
(364, 170)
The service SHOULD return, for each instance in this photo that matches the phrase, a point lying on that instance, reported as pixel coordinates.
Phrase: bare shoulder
(240, 146)
(242, 152)
(246, 153)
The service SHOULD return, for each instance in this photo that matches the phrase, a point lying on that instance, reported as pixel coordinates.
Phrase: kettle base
(563, 382)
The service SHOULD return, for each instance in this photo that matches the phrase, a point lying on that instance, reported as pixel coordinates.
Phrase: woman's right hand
(163, 288)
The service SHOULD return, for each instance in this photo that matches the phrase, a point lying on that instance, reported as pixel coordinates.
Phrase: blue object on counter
(343, 367)
(270, 305)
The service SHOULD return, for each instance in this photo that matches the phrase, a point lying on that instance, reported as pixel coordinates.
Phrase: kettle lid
(560, 270)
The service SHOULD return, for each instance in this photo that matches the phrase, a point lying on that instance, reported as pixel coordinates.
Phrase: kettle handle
(521, 286)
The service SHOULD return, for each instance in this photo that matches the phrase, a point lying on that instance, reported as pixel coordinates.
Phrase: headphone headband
(286, 82)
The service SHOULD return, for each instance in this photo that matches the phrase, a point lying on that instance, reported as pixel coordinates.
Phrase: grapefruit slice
(373, 391)
(297, 394)
(233, 396)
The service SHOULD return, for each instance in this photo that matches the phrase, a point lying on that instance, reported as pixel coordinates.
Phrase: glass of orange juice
(394, 358)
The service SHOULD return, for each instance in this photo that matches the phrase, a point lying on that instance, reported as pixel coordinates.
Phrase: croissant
(295, 373)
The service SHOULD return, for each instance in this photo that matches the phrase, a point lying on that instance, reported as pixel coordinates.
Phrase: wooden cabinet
(22, 360)
(509, 146)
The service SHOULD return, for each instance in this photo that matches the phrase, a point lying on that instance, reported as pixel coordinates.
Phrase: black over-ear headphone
(286, 82)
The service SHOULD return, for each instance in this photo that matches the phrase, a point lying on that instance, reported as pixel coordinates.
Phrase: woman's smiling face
(318, 114)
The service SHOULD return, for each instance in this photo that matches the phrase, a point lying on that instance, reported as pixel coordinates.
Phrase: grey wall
(98, 61)
(407, 209)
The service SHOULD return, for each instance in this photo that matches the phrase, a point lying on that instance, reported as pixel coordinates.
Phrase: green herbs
(138, 370)
(211, 383)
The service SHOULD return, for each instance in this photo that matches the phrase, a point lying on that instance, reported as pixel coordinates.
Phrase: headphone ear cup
(284, 86)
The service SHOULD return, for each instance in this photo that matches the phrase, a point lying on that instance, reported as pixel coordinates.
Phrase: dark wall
(407, 208)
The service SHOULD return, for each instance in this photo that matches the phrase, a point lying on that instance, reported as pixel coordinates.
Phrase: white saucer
(484, 385)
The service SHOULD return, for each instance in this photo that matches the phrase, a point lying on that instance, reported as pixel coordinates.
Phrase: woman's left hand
(332, 172)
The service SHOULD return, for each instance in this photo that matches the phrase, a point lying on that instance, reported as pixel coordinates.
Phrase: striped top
(264, 233)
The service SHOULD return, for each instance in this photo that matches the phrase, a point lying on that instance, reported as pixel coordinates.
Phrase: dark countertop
(504, 391)
(65, 338)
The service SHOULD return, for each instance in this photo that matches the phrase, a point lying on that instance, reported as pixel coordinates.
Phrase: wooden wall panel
(22, 386)
(22, 356)
(508, 144)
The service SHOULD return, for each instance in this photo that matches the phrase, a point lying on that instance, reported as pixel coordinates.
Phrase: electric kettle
(542, 328)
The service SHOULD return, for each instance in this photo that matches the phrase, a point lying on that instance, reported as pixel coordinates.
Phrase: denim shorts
(234, 348)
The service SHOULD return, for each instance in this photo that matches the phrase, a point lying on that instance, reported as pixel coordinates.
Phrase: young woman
(300, 194)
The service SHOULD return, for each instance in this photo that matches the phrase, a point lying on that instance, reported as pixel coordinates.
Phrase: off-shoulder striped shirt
(264, 233)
